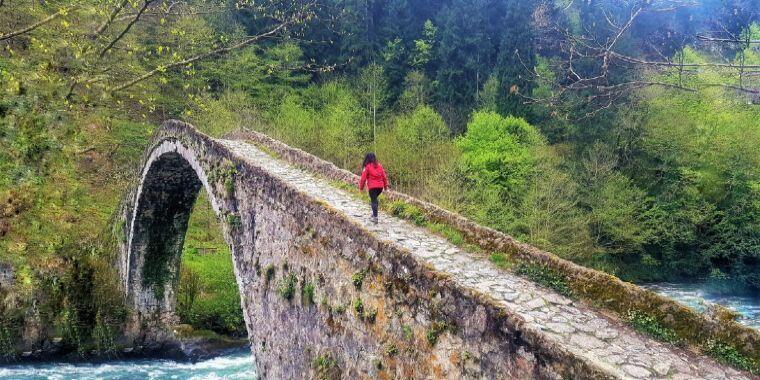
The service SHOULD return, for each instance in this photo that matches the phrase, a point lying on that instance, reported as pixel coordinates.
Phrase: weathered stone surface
(428, 308)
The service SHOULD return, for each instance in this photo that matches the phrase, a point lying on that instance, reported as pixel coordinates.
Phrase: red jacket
(374, 177)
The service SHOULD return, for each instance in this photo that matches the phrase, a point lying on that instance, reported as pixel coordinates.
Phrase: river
(232, 366)
(694, 296)
(239, 364)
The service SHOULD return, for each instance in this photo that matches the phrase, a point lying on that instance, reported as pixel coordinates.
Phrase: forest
(622, 135)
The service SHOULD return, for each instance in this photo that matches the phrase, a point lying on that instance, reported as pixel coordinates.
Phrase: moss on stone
(359, 307)
(269, 272)
(234, 221)
(358, 278)
(648, 324)
(307, 293)
(545, 276)
(729, 354)
(286, 288)
(434, 331)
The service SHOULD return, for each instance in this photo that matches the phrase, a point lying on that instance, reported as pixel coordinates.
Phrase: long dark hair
(369, 158)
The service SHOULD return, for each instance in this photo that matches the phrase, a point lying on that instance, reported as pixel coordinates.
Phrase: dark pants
(373, 194)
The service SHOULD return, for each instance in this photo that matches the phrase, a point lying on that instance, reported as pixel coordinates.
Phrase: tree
(373, 90)
(600, 54)
(417, 91)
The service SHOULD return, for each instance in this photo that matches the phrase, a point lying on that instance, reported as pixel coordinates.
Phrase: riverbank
(187, 346)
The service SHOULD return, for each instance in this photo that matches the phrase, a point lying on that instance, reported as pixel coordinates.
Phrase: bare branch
(37, 24)
(727, 40)
(673, 64)
(126, 29)
(169, 14)
(216, 52)
(111, 17)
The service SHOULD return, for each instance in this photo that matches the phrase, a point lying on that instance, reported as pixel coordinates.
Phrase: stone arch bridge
(326, 294)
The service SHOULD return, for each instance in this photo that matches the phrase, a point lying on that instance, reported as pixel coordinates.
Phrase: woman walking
(373, 176)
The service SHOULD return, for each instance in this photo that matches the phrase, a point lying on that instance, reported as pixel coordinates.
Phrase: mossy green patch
(501, 260)
(286, 288)
(434, 331)
(307, 293)
(649, 325)
(358, 278)
(545, 276)
(359, 307)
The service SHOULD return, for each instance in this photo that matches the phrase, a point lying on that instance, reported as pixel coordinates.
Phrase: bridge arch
(172, 176)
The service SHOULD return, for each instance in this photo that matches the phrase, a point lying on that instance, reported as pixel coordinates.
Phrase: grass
(544, 276)
(501, 260)
(649, 325)
(359, 307)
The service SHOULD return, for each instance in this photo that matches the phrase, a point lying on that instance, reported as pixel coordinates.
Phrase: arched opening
(208, 298)
(165, 200)
(163, 211)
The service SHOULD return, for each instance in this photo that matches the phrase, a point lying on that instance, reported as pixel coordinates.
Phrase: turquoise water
(239, 364)
(233, 366)
(694, 296)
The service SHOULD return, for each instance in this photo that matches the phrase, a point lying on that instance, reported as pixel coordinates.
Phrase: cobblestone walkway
(608, 345)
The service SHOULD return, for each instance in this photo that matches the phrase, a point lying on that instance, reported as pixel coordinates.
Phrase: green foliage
(544, 276)
(648, 324)
(8, 349)
(408, 332)
(207, 294)
(391, 350)
(325, 367)
(501, 260)
(498, 152)
(286, 288)
(727, 353)
(359, 307)
(434, 331)
(409, 212)
(358, 278)
(104, 336)
(234, 221)
(307, 293)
